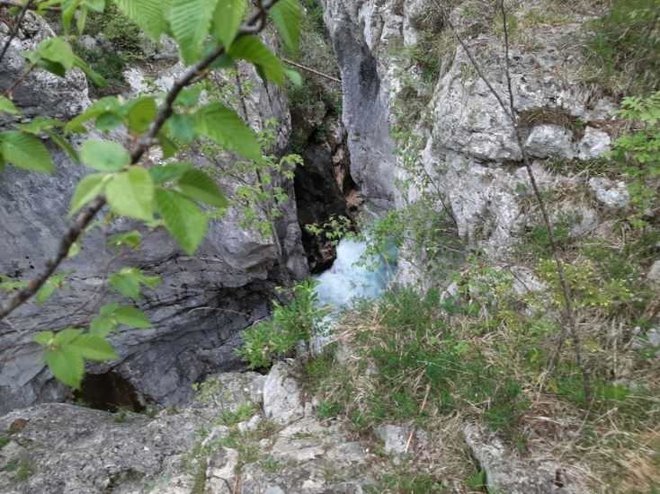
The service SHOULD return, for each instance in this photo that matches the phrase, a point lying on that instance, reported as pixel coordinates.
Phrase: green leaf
(226, 128)
(109, 104)
(95, 5)
(227, 20)
(286, 15)
(189, 97)
(141, 113)
(68, 12)
(48, 289)
(25, 151)
(168, 146)
(190, 21)
(74, 250)
(133, 317)
(105, 156)
(251, 48)
(64, 145)
(171, 171)
(39, 125)
(66, 336)
(108, 121)
(86, 190)
(67, 365)
(54, 55)
(127, 282)
(131, 239)
(103, 325)
(6, 106)
(148, 14)
(44, 338)
(131, 193)
(181, 127)
(199, 186)
(294, 76)
(96, 78)
(94, 347)
(183, 219)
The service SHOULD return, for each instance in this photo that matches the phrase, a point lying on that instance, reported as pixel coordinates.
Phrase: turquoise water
(353, 277)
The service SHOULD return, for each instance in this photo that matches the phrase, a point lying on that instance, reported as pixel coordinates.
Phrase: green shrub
(229, 418)
(625, 46)
(638, 153)
(125, 42)
(409, 483)
(290, 324)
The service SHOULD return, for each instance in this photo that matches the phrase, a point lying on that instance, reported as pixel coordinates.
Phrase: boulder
(282, 395)
(612, 194)
(507, 472)
(68, 449)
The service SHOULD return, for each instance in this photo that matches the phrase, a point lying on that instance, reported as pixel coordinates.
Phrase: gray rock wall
(365, 101)
(467, 143)
(204, 300)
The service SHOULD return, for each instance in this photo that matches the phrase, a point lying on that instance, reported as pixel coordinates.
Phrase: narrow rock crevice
(324, 189)
(110, 392)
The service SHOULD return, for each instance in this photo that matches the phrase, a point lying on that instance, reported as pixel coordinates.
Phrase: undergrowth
(481, 351)
(120, 45)
(289, 324)
(624, 47)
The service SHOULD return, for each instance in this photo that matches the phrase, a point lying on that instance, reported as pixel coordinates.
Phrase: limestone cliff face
(463, 139)
(204, 300)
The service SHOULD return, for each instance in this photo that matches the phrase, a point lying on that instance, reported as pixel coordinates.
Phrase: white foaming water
(351, 278)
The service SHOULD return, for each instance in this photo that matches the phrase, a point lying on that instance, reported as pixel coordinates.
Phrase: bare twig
(14, 31)
(257, 20)
(570, 327)
(310, 70)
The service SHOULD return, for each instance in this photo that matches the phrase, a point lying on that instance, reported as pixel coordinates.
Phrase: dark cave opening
(109, 392)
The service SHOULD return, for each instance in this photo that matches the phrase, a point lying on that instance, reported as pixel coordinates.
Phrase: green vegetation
(485, 351)
(290, 324)
(638, 154)
(246, 444)
(317, 98)
(408, 483)
(624, 47)
(121, 44)
(241, 414)
(21, 469)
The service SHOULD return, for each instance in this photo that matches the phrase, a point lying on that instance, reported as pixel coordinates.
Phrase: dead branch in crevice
(569, 321)
(310, 70)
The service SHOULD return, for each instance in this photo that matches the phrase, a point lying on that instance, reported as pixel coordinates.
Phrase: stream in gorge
(353, 276)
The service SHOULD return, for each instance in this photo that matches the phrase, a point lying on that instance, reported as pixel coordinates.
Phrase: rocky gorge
(178, 412)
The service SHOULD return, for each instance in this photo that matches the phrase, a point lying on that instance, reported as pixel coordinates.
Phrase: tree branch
(82, 221)
(14, 31)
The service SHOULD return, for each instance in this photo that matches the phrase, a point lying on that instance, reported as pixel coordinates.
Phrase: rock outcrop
(463, 139)
(221, 443)
(204, 301)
